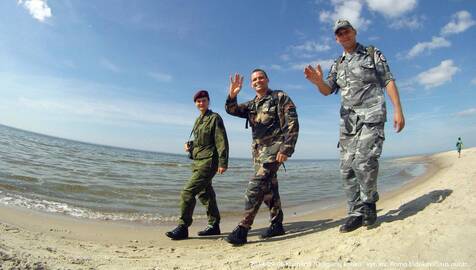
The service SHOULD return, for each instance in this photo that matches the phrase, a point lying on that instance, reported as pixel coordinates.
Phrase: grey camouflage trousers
(359, 165)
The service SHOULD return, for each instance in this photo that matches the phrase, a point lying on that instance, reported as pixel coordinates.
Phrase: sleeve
(290, 125)
(232, 107)
(383, 70)
(332, 77)
(221, 142)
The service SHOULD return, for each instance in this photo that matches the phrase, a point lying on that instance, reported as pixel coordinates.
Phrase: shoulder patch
(379, 55)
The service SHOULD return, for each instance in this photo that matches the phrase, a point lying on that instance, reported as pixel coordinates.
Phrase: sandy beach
(427, 224)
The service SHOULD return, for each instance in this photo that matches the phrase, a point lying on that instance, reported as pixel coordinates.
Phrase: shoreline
(428, 219)
(325, 205)
(313, 206)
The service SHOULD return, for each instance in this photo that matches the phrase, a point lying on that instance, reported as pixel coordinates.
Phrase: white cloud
(285, 57)
(109, 65)
(294, 86)
(392, 8)
(296, 56)
(473, 81)
(310, 47)
(74, 98)
(300, 34)
(460, 22)
(161, 77)
(374, 38)
(111, 110)
(436, 42)
(407, 85)
(467, 112)
(345, 9)
(38, 8)
(325, 64)
(408, 22)
(438, 75)
(276, 67)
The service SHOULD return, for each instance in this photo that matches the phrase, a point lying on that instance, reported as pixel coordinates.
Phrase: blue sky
(123, 73)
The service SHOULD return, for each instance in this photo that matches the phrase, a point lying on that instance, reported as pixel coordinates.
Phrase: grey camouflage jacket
(361, 78)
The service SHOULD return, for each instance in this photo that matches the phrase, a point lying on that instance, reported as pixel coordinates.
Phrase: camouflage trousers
(359, 164)
(263, 187)
(200, 185)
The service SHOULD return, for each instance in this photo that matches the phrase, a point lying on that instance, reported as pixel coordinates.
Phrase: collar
(360, 49)
(266, 95)
(207, 113)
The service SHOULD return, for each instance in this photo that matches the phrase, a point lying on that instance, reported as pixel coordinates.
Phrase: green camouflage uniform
(274, 123)
(361, 78)
(210, 151)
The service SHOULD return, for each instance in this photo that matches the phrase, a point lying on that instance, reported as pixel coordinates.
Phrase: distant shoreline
(185, 155)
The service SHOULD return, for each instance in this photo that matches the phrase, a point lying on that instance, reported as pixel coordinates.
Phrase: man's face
(346, 37)
(259, 82)
(202, 104)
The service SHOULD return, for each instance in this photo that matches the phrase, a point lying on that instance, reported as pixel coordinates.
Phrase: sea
(90, 181)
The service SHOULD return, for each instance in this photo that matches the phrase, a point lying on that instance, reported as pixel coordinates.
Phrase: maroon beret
(201, 94)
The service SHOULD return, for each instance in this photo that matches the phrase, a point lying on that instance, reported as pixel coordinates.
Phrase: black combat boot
(179, 233)
(275, 229)
(352, 223)
(238, 236)
(210, 230)
(370, 214)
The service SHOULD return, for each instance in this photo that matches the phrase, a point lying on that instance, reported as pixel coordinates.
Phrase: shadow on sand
(298, 229)
(414, 206)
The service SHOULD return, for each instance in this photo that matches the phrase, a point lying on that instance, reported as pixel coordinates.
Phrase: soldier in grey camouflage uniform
(361, 73)
(274, 123)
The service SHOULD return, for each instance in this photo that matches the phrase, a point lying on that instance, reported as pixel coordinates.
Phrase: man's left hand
(280, 157)
(221, 170)
(398, 121)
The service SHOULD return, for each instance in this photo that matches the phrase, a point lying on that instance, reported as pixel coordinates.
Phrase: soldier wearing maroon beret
(209, 151)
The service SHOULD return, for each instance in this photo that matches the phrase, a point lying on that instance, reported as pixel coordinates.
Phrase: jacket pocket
(368, 72)
(341, 82)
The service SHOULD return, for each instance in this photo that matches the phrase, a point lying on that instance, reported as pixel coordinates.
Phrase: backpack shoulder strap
(371, 51)
(194, 127)
(338, 61)
(275, 96)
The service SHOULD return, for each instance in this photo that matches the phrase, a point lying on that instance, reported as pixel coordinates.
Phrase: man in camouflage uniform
(274, 122)
(361, 73)
(210, 155)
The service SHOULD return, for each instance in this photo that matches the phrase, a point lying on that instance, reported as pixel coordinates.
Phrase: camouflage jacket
(361, 78)
(210, 140)
(273, 120)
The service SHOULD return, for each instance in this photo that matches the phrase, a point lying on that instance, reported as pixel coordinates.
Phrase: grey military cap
(341, 23)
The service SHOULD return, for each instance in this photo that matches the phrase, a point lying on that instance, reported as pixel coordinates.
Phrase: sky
(123, 73)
